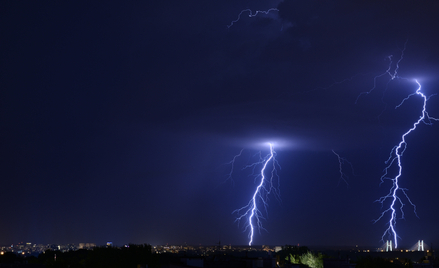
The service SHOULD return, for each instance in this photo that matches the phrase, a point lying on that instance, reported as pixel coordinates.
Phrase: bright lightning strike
(397, 151)
(395, 158)
(251, 14)
(267, 184)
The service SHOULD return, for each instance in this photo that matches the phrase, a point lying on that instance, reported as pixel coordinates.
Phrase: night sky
(118, 119)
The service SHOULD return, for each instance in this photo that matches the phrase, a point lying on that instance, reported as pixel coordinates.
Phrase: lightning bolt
(395, 158)
(251, 14)
(341, 162)
(397, 151)
(388, 72)
(267, 184)
(232, 167)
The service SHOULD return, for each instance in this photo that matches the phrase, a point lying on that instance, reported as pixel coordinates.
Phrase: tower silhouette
(389, 245)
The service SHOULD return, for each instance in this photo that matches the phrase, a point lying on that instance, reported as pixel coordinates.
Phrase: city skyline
(119, 120)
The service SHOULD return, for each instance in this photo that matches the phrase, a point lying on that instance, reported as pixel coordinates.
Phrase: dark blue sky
(118, 119)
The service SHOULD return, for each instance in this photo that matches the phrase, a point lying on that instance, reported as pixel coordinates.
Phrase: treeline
(305, 258)
(138, 256)
(301, 256)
